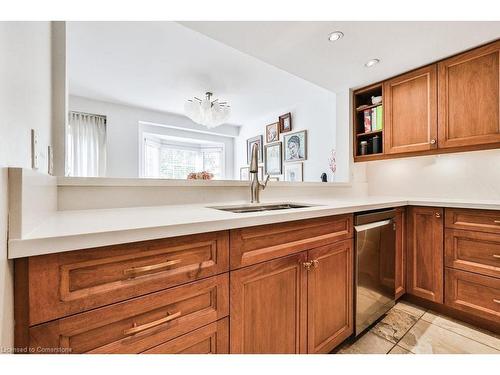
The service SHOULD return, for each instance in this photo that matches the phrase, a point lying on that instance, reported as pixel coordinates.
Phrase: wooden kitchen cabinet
(425, 253)
(269, 307)
(410, 110)
(329, 296)
(469, 98)
(400, 257)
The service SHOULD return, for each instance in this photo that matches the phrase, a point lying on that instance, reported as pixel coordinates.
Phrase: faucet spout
(254, 163)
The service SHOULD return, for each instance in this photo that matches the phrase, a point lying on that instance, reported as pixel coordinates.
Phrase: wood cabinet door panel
(469, 99)
(473, 251)
(140, 323)
(76, 281)
(269, 307)
(210, 339)
(400, 258)
(425, 253)
(330, 296)
(252, 245)
(410, 106)
(473, 293)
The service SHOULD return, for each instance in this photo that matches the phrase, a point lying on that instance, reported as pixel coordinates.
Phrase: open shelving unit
(363, 97)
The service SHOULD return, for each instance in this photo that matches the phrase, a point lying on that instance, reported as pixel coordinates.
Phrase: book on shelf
(374, 119)
(367, 115)
(380, 117)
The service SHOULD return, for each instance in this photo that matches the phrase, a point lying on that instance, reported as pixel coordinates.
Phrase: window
(166, 157)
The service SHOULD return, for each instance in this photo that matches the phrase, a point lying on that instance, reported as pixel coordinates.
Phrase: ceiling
(303, 49)
(159, 65)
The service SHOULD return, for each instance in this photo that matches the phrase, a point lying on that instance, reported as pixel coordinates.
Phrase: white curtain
(86, 145)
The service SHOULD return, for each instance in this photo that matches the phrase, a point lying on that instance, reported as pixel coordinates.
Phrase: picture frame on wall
(285, 122)
(273, 156)
(295, 146)
(250, 142)
(294, 172)
(272, 132)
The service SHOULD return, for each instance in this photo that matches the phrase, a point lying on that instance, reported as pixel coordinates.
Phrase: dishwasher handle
(364, 227)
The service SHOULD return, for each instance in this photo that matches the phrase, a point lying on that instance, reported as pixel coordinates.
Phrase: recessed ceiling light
(372, 62)
(336, 35)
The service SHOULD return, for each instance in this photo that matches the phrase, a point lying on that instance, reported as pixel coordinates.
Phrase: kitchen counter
(79, 229)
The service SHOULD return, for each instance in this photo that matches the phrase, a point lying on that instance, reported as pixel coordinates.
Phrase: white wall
(312, 109)
(25, 103)
(123, 131)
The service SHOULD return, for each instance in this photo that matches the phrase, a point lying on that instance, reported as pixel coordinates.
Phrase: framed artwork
(285, 122)
(273, 156)
(295, 145)
(294, 172)
(250, 143)
(272, 132)
(244, 174)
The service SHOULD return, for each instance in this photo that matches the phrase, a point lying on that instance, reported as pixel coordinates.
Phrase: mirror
(161, 100)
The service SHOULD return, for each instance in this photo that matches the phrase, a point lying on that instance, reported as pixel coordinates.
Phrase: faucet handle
(265, 182)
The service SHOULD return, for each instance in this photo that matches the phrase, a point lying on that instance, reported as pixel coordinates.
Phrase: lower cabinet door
(330, 299)
(425, 252)
(400, 259)
(268, 305)
(210, 339)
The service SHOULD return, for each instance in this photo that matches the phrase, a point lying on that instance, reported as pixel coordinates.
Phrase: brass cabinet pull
(315, 263)
(143, 327)
(307, 265)
(433, 141)
(437, 214)
(496, 221)
(135, 270)
(496, 300)
(496, 256)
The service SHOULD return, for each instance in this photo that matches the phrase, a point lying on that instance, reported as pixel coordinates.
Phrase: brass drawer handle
(136, 328)
(307, 265)
(496, 300)
(315, 263)
(497, 256)
(496, 221)
(433, 141)
(135, 270)
(437, 214)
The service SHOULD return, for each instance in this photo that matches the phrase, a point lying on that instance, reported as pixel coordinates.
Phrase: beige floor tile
(369, 343)
(394, 326)
(464, 329)
(427, 338)
(399, 350)
(410, 308)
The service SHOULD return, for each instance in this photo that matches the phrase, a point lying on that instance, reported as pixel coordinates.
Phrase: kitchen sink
(261, 207)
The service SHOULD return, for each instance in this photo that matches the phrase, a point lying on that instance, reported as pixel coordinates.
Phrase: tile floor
(409, 329)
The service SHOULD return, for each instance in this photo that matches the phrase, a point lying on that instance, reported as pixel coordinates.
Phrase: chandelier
(207, 112)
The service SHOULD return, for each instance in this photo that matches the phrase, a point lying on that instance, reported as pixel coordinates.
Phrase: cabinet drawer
(473, 293)
(476, 220)
(257, 244)
(210, 339)
(138, 324)
(76, 281)
(473, 251)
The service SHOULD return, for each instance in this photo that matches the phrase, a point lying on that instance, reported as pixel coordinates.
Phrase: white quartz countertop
(73, 230)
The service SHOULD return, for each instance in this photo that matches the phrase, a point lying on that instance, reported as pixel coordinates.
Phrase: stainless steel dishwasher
(374, 266)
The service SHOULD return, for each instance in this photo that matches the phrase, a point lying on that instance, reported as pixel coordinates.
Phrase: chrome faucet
(255, 185)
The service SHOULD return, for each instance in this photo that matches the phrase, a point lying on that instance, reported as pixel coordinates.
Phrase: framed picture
(250, 143)
(272, 132)
(295, 145)
(273, 157)
(285, 122)
(244, 174)
(294, 172)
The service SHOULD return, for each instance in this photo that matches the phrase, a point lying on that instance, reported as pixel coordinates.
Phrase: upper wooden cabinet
(410, 103)
(425, 276)
(469, 98)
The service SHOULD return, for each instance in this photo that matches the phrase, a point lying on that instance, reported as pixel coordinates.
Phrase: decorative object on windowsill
(207, 112)
(376, 99)
(332, 161)
(250, 142)
(294, 172)
(295, 146)
(285, 122)
(324, 177)
(272, 132)
(204, 175)
(273, 157)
